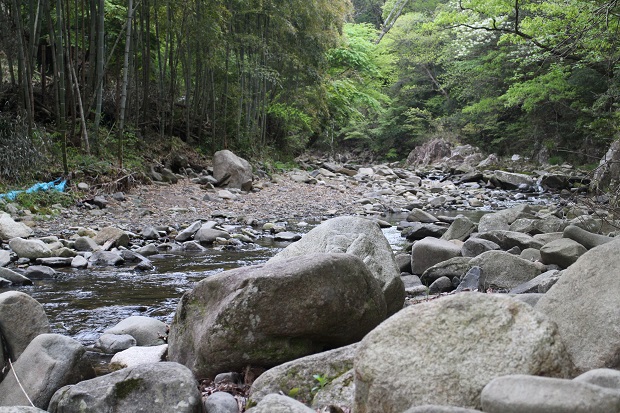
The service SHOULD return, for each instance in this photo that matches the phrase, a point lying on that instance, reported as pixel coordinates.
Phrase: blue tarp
(57, 185)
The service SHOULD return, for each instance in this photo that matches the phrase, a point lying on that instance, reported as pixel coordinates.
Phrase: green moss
(125, 388)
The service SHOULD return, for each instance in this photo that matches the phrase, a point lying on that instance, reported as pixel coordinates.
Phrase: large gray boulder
(269, 314)
(11, 229)
(361, 237)
(510, 180)
(608, 378)
(112, 236)
(5, 258)
(460, 229)
(154, 388)
(30, 248)
(585, 238)
(276, 403)
(563, 252)
(454, 267)
(188, 233)
(539, 226)
(502, 271)
(299, 375)
(509, 239)
(530, 394)
(232, 171)
(14, 277)
(22, 318)
(221, 402)
(146, 330)
(476, 246)
(583, 303)
(501, 220)
(50, 362)
(430, 251)
(446, 350)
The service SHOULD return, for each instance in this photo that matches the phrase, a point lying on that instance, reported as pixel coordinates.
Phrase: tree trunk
(124, 84)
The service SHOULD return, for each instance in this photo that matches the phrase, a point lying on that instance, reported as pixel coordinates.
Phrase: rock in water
(585, 305)
(22, 318)
(361, 237)
(11, 229)
(268, 314)
(232, 171)
(445, 351)
(154, 388)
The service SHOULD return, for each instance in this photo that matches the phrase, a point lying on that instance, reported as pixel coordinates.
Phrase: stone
(548, 237)
(50, 362)
(530, 254)
(10, 229)
(476, 246)
(112, 236)
(585, 238)
(408, 360)
(403, 261)
(169, 176)
(323, 301)
(155, 388)
(429, 152)
(502, 271)
(5, 258)
(136, 355)
(470, 281)
(454, 267)
(64, 252)
(86, 244)
(14, 277)
(460, 229)
(105, 259)
(55, 261)
(149, 232)
(339, 392)
(530, 299)
(32, 249)
(538, 226)
(413, 285)
(300, 374)
(510, 239)
(20, 409)
(430, 251)
(232, 171)
(287, 236)
(608, 378)
(418, 215)
(79, 262)
(501, 220)
(440, 409)
(113, 343)
(188, 233)
(583, 302)
(511, 180)
(608, 169)
(275, 403)
(529, 394)
(39, 272)
(22, 318)
(417, 231)
(361, 237)
(533, 285)
(563, 252)
(146, 330)
(546, 284)
(207, 236)
(221, 402)
(440, 285)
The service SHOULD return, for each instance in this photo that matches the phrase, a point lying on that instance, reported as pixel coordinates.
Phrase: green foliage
(44, 201)
(321, 382)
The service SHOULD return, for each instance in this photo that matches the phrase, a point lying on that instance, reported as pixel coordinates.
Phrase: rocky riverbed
(340, 284)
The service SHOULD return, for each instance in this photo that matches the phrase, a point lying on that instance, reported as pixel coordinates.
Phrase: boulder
(39, 272)
(417, 231)
(429, 152)
(206, 236)
(509, 239)
(418, 215)
(430, 251)
(5, 258)
(85, 244)
(232, 171)
(154, 388)
(608, 170)
(229, 320)
(585, 238)
(538, 226)
(112, 236)
(608, 378)
(563, 252)
(134, 356)
(10, 229)
(361, 237)
(440, 285)
(113, 343)
(511, 180)
(533, 285)
(275, 403)
(22, 318)
(502, 271)
(299, 375)
(440, 409)
(146, 330)
(460, 229)
(188, 233)
(445, 351)
(476, 246)
(583, 302)
(30, 248)
(529, 394)
(221, 402)
(454, 267)
(50, 362)
(105, 258)
(501, 220)
(14, 277)
(338, 392)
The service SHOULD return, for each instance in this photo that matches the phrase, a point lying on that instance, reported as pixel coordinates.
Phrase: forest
(85, 82)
